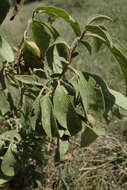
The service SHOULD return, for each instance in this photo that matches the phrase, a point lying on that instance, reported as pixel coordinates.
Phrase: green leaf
(109, 99)
(57, 54)
(9, 164)
(4, 105)
(52, 30)
(63, 147)
(57, 12)
(91, 95)
(98, 17)
(65, 112)
(120, 102)
(35, 113)
(47, 116)
(90, 135)
(4, 8)
(120, 53)
(54, 61)
(88, 46)
(13, 89)
(41, 36)
(101, 32)
(28, 79)
(6, 53)
(112, 98)
(62, 43)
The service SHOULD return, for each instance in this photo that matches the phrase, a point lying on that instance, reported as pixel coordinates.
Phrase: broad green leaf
(35, 113)
(28, 79)
(91, 95)
(54, 61)
(41, 36)
(109, 99)
(27, 109)
(83, 88)
(90, 135)
(57, 12)
(65, 112)
(96, 36)
(6, 53)
(61, 132)
(112, 98)
(120, 53)
(52, 30)
(57, 54)
(120, 102)
(13, 89)
(4, 105)
(57, 63)
(88, 46)
(47, 116)
(63, 147)
(4, 8)
(9, 165)
(101, 32)
(98, 17)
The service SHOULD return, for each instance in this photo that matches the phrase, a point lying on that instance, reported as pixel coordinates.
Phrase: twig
(97, 167)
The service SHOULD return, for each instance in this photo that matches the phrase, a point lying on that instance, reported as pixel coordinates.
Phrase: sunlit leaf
(98, 17)
(120, 102)
(100, 31)
(57, 12)
(91, 95)
(4, 105)
(35, 113)
(65, 112)
(63, 147)
(9, 164)
(13, 89)
(47, 117)
(57, 54)
(41, 36)
(28, 79)
(120, 53)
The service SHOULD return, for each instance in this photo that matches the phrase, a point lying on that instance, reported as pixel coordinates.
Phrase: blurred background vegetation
(103, 165)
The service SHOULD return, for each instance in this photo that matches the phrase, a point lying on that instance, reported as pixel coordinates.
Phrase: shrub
(44, 99)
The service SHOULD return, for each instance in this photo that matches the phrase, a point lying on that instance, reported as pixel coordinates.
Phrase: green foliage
(46, 99)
